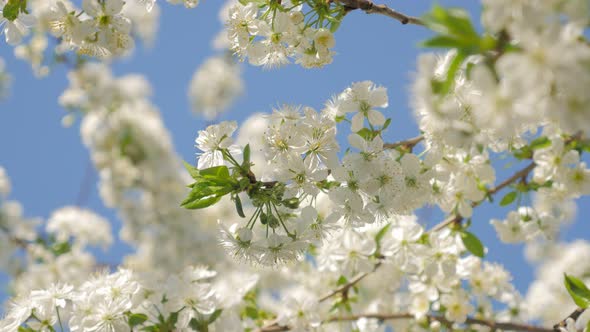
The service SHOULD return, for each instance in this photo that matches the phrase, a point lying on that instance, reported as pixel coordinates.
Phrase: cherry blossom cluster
(140, 173)
(124, 300)
(428, 268)
(217, 82)
(497, 100)
(214, 86)
(338, 225)
(100, 28)
(518, 81)
(547, 299)
(59, 253)
(275, 33)
(4, 80)
(300, 168)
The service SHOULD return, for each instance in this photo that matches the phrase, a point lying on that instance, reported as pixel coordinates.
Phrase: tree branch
(344, 288)
(370, 8)
(453, 219)
(469, 321)
(574, 315)
(408, 144)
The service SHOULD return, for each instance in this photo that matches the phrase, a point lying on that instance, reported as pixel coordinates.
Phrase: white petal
(91, 7)
(357, 141)
(13, 34)
(113, 7)
(376, 118)
(357, 122)
(378, 98)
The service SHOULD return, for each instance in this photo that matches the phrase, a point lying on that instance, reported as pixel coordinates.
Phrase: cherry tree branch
(408, 144)
(520, 175)
(394, 316)
(85, 185)
(574, 315)
(344, 288)
(370, 8)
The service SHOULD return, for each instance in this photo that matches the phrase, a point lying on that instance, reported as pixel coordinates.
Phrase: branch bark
(408, 144)
(370, 8)
(344, 288)
(522, 174)
(469, 321)
(574, 315)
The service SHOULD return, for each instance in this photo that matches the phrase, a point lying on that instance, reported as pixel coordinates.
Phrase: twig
(85, 185)
(574, 315)
(405, 144)
(522, 174)
(469, 321)
(453, 219)
(344, 288)
(370, 8)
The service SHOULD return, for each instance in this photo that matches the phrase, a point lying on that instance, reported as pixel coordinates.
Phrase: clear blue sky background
(46, 162)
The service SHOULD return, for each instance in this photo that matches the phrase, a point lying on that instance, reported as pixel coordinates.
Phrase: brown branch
(408, 144)
(370, 8)
(574, 315)
(344, 288)
(469, 321)
(85, 185)
(520, 175)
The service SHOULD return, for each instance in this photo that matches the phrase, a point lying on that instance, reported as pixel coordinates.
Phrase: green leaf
(215, 172)
(381, 233)
(251, 312)
(451, 22)
(198, 325)
(386, 124)
(61, 248)
(452, 72)
(11, 10)
(444, 42)
(193, 171)
(523, 153)
(366, 133)
(239, 208)
(508, 198)
(246, 161)
(541, 142)
(472, 243)
(25, 329)
(137, 319)
(341, 281)
(578, 291)
(201, 203)
(291, 203)
(215, 315)
(198, 191)
(172, 319)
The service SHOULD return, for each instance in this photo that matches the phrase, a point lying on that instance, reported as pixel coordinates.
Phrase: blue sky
(46, 162)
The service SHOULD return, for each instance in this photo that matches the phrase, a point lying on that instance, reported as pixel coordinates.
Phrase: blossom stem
(59, 319)
(370, 8)
(292, 236)
(254, 218)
